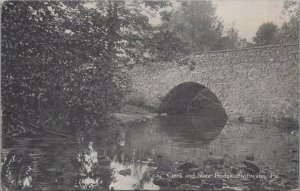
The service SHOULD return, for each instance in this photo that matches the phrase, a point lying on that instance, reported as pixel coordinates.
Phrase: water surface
(128, 162)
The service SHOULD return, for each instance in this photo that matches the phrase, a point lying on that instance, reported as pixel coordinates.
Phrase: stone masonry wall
(256, 83)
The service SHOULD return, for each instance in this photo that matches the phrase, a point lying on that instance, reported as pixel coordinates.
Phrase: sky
(248, 15)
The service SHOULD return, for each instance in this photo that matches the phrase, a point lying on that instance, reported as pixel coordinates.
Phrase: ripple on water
(49, 163)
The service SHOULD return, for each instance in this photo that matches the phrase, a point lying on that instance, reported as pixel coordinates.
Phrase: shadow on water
(17, 171)
(139, 151)
(48, 163)
(191, 128)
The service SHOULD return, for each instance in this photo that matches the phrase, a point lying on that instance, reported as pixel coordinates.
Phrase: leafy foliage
(289, 32)
(232, 40)
(196, 23)
(266, 34)
(58, 63)
(269, 33)
(167, 45)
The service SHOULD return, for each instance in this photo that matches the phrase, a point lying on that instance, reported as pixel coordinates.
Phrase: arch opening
(193, 99)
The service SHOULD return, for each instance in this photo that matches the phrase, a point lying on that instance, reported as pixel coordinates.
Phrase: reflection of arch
(191, 97)
(191, 128)
(17, 171)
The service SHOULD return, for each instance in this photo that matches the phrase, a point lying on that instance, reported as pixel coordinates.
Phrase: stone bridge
(255, 83)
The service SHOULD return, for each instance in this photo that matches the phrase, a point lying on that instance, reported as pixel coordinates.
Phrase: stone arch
(192, 98)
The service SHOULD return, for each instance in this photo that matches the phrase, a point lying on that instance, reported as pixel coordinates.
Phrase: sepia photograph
(149, 95)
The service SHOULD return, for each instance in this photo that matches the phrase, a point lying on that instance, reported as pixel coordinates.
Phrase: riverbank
(134, 114)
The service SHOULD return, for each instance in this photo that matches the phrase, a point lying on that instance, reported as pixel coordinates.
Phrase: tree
(266, 34)
(289, 32)
(232, 40)
(269, 33)
(291, 7)
(197, 24)
(135, 37)
(166, 45)
(58, 66)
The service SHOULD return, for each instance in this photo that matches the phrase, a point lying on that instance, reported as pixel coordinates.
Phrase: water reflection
(128, 162)
(190, 128)
(171, 137)
(177, 139)
(138, 176)
(93, 170)
(129, 172)
(17, 172)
